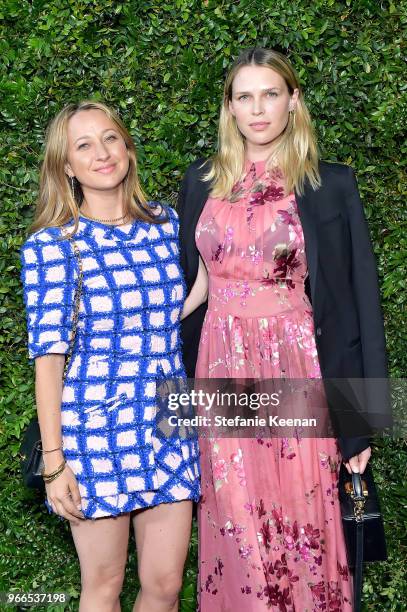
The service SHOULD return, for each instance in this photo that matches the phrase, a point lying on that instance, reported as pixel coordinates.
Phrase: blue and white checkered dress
(128, 339)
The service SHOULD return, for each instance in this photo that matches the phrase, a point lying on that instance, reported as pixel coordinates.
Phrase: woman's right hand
(63, 492)
(63, 496)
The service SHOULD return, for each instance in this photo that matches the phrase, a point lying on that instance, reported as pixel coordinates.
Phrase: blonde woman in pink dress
(278, 241)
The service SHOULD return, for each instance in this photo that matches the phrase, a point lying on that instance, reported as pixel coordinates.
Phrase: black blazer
(342, 281)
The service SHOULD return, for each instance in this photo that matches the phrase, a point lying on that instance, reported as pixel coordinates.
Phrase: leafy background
(162, 66)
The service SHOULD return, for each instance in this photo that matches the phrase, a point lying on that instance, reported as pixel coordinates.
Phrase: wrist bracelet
(48, 480)
(55, 475)
(55, 472)
(44, 452)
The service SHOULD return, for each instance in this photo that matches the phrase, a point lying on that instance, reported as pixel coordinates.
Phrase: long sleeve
(367, 296)
(366, 287)
(366, 291)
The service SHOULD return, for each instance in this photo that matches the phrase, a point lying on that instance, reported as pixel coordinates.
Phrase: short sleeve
(49, 276)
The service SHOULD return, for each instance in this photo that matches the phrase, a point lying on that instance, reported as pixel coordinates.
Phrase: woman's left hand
(358, 463)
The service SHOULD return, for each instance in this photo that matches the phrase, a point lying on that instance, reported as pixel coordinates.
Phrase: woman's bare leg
(101, 545)
(162, 539)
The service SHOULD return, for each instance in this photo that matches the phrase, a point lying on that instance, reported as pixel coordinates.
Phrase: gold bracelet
(48, 480)
(54, 476)
(57, 471)
(53, 450)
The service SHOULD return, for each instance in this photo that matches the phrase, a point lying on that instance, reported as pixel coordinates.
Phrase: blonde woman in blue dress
(98, 428)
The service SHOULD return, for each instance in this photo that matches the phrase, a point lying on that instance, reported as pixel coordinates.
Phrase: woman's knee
(106, 580)
(162, 586)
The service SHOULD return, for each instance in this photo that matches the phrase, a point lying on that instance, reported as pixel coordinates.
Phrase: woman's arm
(63, 492)
(49, 288)
(48, 393)
(367, 295)
(199, 292)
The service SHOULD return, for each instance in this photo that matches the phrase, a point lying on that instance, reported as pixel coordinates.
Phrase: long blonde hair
(58, 203)
(296, 150)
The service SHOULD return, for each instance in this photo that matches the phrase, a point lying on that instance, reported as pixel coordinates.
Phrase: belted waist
(256, 298)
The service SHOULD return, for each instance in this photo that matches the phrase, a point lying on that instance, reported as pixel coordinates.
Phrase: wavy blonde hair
(296, 151)
(56, 204)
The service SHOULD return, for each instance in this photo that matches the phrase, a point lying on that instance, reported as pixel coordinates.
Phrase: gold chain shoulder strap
(77, 302)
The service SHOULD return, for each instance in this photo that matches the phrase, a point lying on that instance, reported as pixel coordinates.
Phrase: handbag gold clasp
(349, 488)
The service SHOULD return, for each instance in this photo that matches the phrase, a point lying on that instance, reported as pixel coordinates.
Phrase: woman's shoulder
(337, 175)
(337, 169)
(167, 215)
(44, 245)
(197, 168)
(194, 188)
(162, 210)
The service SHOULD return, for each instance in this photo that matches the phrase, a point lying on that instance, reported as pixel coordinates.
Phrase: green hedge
(162, 66)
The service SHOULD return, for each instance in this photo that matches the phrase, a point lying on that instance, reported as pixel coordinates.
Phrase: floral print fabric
(270, 527)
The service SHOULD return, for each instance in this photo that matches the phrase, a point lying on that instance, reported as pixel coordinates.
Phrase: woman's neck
(258, 153)
(103, 204)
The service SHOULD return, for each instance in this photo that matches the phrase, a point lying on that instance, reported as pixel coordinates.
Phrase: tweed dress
(127, 342)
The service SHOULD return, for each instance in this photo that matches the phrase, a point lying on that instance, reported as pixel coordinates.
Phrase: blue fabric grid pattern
(127, 342)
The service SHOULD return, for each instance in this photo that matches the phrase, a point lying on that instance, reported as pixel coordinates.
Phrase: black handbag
(31, 461)
(362, 524)
(31, 457)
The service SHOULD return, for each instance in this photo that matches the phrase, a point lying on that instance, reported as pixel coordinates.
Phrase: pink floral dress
(269, 521)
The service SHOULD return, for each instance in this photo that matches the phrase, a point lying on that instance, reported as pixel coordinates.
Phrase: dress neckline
(123, 231)
(257, 167)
